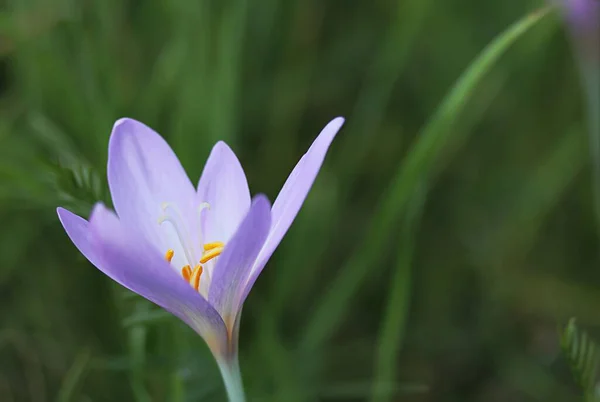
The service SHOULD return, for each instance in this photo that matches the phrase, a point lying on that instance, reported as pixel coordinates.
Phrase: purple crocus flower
(194, 252)
(583, 19)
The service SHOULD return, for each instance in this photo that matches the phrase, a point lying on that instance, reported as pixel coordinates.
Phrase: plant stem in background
(583, 22)
(396, 312)
(592, 83)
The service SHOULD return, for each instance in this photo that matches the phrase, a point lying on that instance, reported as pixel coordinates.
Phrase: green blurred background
(449, 235)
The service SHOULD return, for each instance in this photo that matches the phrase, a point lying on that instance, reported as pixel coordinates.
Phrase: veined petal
(234, 265)
(134, 264)
(144, 174)
(224, 187)
(293, 193)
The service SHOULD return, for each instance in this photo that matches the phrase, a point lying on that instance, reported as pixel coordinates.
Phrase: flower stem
(591, 80)
(230, 370)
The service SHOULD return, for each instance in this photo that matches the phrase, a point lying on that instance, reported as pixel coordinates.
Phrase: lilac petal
(78, 231)
(134, 264)
(583, 20)
(143, 174)
(234, 265)
(583, 14)
(224, 187)
(294, 192)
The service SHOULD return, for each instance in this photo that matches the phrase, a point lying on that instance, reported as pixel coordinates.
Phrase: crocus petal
(78, 231)
(234, 265)
(143, 175)
(583, 20)
(224, 187)
(294, 192)
(134, 264)
(582, 15)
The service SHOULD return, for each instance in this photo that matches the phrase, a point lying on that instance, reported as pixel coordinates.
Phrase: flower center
(210, 250)
(192, 276)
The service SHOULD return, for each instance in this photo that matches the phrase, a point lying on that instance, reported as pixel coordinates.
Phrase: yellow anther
(169, 255)
(210, 254)
(216, 244)
(186, 272)
(195, 278)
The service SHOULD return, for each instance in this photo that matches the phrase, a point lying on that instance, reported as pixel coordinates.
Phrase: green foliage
(583, 355)
(78, 188)
(437, 136)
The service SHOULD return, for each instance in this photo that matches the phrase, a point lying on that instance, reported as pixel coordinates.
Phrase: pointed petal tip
(261, 200)
(224, 186)
(339, 120)
(63, 215)
(335, 124)
(122, 126)
(118, 130)
(329, 132)
(222, 148)
(97, 210)
(127, 126)
(325, 137)
(125, 121)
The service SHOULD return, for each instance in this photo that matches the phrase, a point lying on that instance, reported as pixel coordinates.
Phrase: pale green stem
(591, 82)
(232, 377)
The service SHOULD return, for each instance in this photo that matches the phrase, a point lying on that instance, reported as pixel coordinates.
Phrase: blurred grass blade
(396, 313)
(77, 187)
(384, 72)
(591, 80)
(359, 389)
(582, 354)
(50, 135)
(419, 164)
(74, 378)
(369, 110)
(227, 79)
(585, 35)
(146, 317)
(291, 87)
(543, 190)
(137, 337)
(275, 357)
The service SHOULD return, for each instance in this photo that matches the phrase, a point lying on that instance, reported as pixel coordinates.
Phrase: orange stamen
(209, 255)
(192, 276)
(215, 244)
(186, 272)
(195, 279)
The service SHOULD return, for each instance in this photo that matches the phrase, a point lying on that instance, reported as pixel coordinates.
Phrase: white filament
(202, 207)
(180, 230)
